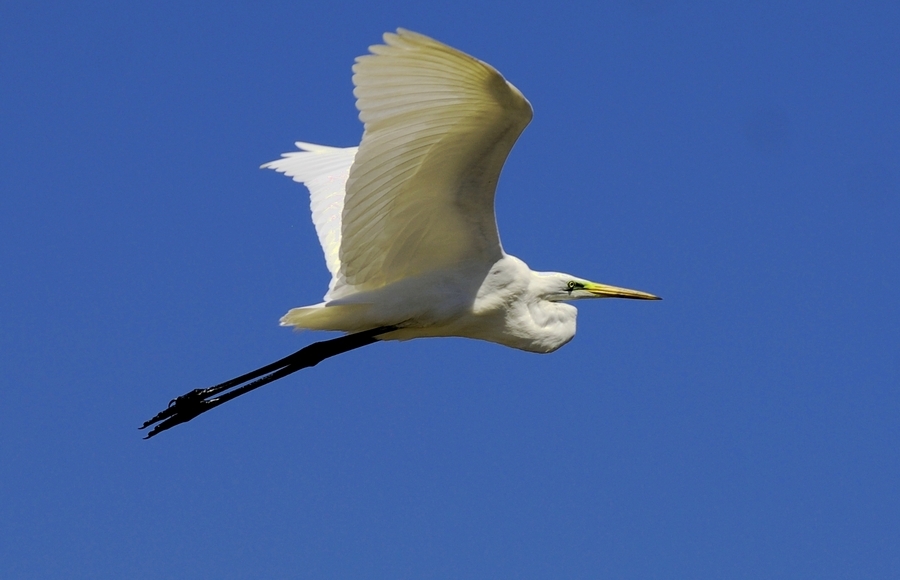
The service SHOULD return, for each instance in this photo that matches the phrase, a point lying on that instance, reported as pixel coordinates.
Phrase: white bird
(406, 220)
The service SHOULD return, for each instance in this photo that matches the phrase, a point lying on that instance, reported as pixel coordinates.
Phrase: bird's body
(406, 220)
(503, 302)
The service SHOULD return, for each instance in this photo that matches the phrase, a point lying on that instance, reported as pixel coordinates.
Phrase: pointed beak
(604, 291)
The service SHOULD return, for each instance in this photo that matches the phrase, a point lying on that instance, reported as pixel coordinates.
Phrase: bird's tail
(340, 317)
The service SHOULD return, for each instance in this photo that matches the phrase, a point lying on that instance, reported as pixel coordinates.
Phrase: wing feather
(324, 171)
(439, 125)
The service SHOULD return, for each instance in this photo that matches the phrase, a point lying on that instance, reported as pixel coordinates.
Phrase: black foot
(180, 410)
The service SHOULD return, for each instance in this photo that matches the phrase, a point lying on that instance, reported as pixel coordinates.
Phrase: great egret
(406, 220)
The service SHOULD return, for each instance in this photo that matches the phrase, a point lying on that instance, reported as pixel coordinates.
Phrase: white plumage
(406, 220)
(324, 170)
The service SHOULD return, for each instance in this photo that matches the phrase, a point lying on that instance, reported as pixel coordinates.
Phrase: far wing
(324, 171)
(439, 125)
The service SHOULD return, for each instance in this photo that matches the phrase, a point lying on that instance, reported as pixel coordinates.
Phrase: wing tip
(303, 147)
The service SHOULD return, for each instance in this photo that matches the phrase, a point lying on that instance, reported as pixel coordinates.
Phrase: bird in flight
(406, 221)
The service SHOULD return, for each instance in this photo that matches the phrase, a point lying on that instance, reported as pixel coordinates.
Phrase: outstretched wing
(439, 125)
(324, 170)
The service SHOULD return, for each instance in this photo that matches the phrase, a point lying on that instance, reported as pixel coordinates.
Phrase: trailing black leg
(198, 401)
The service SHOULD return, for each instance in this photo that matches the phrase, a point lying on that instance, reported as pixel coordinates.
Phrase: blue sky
(741, 162)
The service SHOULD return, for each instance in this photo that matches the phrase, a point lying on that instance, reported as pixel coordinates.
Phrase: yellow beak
(604, 291)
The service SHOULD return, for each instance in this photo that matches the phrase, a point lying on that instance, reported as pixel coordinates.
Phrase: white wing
(439, 125)
(324, 171)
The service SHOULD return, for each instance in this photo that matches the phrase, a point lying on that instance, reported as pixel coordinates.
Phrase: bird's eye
(573, 285)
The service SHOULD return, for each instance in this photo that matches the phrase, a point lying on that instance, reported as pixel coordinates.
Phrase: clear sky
(743, 163)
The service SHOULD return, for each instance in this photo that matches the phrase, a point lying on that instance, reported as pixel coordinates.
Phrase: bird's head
(557, 287)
